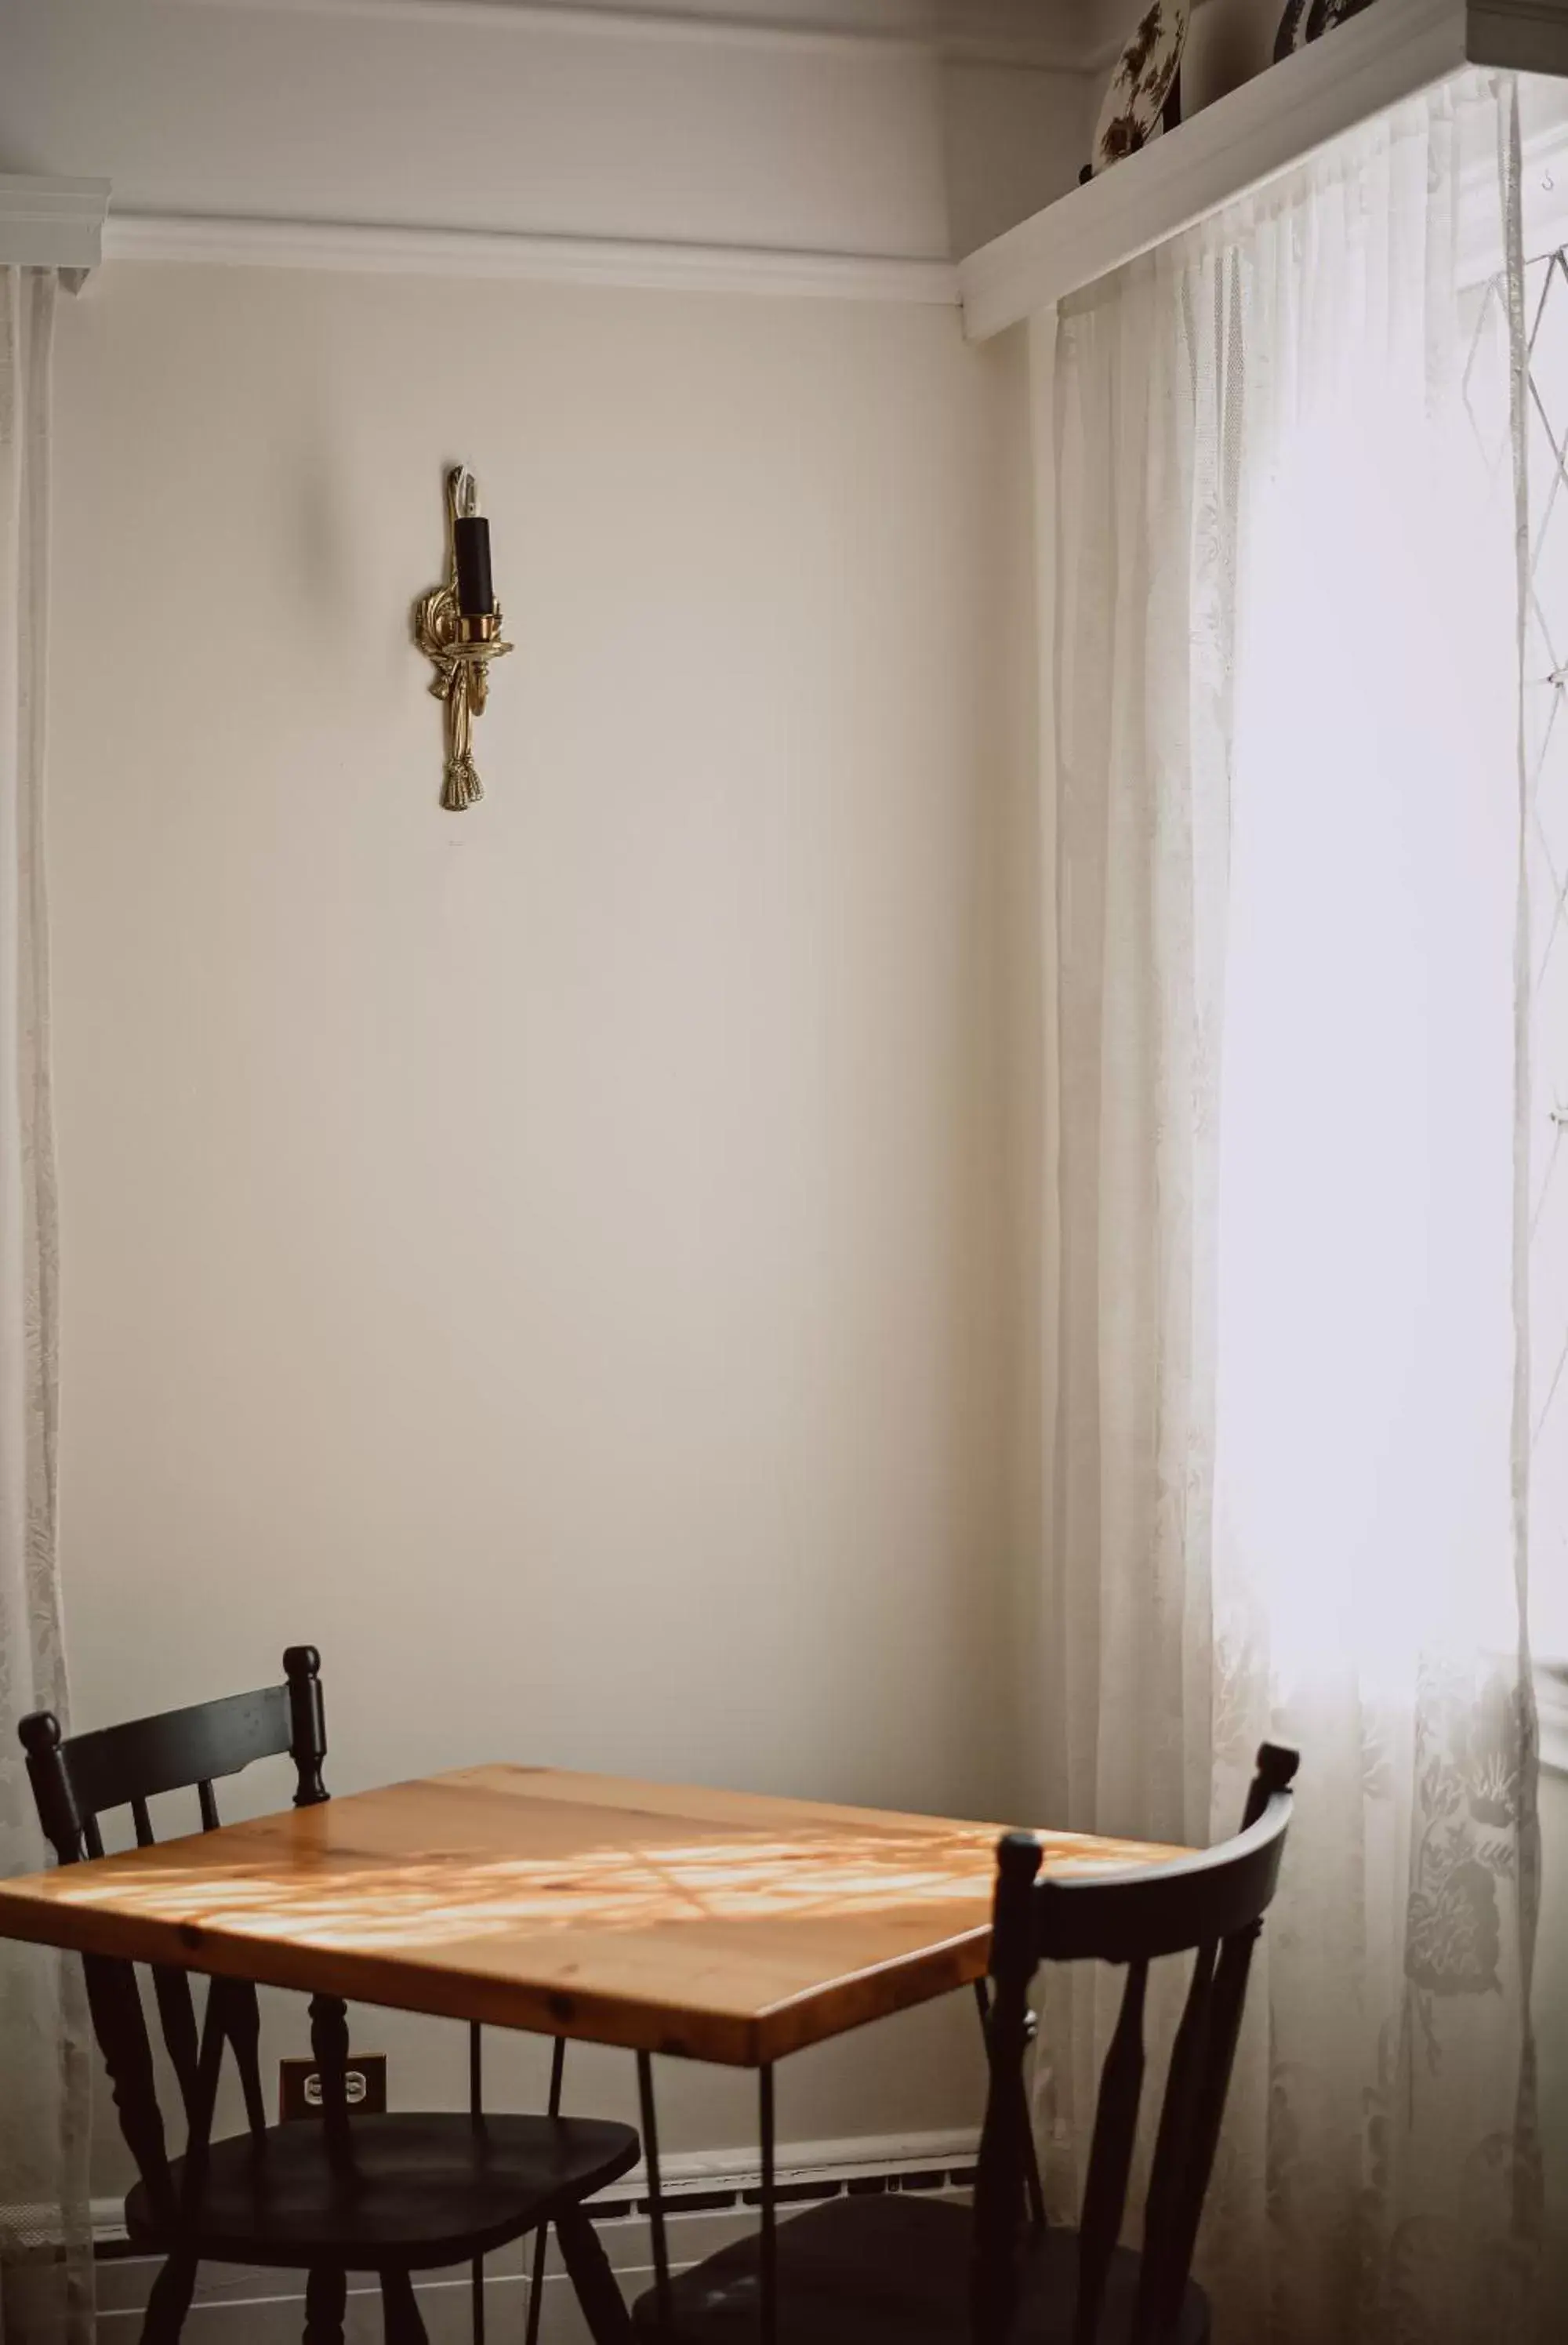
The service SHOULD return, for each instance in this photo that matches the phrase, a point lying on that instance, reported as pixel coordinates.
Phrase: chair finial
(1018, 1856)
(1277, 1765)
(53, 1792)
(40, 1734)
(308, 1716)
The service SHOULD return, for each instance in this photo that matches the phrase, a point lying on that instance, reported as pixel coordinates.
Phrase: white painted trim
(1390, 52)
(548, 260)
(48, 223)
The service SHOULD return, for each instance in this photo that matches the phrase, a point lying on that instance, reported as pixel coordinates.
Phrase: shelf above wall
(1394, 49)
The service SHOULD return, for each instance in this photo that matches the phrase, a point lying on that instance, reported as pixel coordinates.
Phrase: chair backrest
(1210, 1905)
(79, 1777)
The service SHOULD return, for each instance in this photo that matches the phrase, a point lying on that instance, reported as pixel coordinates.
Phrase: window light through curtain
(1303, 1337)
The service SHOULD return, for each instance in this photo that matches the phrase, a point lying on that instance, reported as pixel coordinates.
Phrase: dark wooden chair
(389, 2194)
(908, 2269)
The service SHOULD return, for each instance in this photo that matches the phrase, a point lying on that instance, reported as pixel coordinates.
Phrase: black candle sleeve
(476, 596)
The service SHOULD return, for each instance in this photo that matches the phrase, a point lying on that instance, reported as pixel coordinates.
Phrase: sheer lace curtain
(44, 2099)
(1290, 1455)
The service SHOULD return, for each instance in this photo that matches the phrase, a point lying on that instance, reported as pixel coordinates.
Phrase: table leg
(770, 2256)
(476, 2111)
(656, 2189)
(541, 2237)
(329, 2047)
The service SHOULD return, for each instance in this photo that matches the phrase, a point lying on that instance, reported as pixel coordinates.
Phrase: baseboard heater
(708, 2186)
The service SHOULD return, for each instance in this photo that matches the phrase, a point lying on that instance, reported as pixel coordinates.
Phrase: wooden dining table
(724, 1926)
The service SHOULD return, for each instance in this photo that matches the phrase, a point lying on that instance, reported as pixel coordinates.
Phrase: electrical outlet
(365, 2084)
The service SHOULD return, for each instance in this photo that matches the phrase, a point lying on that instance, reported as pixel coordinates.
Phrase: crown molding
(818, 146)
(51, 223)
(540, 259)
(471, 117)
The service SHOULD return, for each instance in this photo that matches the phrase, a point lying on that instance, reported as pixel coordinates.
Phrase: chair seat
(894, 2269)
(423, 2190)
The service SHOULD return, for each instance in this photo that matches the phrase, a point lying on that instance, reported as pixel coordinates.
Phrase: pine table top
(721, 1925)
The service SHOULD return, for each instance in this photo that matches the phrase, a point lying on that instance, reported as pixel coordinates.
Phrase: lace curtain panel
(1292, 1362)
(43, 2106)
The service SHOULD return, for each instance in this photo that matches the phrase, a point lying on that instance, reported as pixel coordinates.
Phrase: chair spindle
(1110, 2156)
(1229, 1997)
(1172, 2147)
(204, 2100)
(242, 2025)
(114, 2001)
(176, 2015)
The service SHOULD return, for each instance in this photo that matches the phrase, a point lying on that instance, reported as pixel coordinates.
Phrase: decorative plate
(1307, 20)
(1142, 82)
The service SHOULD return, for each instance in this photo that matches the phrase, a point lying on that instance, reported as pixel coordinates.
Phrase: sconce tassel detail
(457, 625)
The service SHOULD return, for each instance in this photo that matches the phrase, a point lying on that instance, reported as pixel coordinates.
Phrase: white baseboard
(239, 2305)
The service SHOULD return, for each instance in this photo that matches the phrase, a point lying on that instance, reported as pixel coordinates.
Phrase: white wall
(1014, 142)
(555, 1258)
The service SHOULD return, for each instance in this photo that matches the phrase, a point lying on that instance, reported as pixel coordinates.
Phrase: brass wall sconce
(458, 627)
